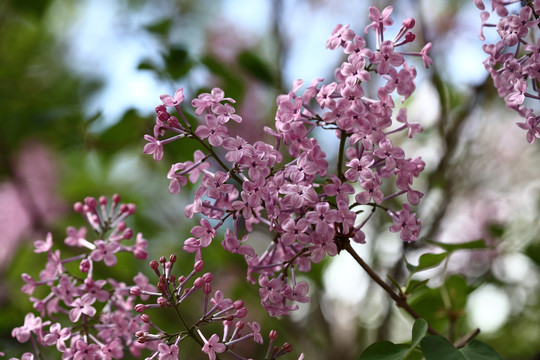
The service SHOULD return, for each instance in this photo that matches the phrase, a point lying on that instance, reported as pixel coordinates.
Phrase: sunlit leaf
(383, 350)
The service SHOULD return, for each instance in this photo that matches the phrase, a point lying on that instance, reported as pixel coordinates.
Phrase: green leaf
(254, 65)
(394, 281)
(177, 62)
(477, 350)
(383, 350)
(475, 244)
(533, 252)
(146, 65)
(428, 261)
(415, 285)
(161, 27)
(419, 330)
(436, 347)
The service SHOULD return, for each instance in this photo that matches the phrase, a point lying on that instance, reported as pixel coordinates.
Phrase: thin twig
(467, 338)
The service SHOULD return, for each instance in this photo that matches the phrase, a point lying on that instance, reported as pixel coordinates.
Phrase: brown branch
(401, 301)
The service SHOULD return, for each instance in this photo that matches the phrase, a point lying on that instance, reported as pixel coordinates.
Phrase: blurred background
(78, 85)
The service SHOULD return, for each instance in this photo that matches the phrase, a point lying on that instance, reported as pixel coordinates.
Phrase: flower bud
(84, 266)
(162, 259)
(102, 200)
(121, 226)
(409, 37)
(145, 318)
(78, 207)
(273, 334)
(207, 277)
(239, 325)
(241, 313)
(128, 234)
(238, 304)
(140, 308)
(287, 347)
(116, 198)
(154, 265)
(409, 23)
(198, 282)
(172, 258)
(207, 288)
(135, 290)
(198, 265)
(162, 302)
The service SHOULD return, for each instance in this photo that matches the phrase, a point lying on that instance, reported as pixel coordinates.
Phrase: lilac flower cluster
(87, 318)
(514, 61)
(310, 211)
(173, 291)
(92, 318)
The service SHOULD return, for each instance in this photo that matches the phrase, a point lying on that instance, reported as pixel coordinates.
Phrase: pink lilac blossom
(513, 61)
(310, 209)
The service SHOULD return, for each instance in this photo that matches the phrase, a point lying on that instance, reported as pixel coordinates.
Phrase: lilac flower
(170, 101)
(43, 246)
(84, 351)
(32, 324)
(81, 306)
(212, 346)
(105, 251)
(256, 329)
(204, 232)
(58, 336)
(380, 20)
(154, 147)
(213, 130)
(74, 236)
(114, 350)
(533, 130)
(340, 34)
(167, 352)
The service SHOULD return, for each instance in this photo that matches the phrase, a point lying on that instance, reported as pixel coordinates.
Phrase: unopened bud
(128, 234)
(162, 302)
(84, 266)
(241, 313)
(198, 265)
(135, 290)
(162, 260)
(154, 265)
(102, 200)
(207, 277)
(172, 258)
(207, 288)
(240, 325)
(140, 308)
(116, 198)
(173, 122)
(273, 334)
(145, 318)
(238, 304)
(78, 207)
(287, 347)
(409, 23)
(409, 37)
(121, 226)
(198, 282)
(132, 209)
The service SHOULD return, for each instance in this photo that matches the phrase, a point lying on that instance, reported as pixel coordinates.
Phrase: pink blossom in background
(27, 201)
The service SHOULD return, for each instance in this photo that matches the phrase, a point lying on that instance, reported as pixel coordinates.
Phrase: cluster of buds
(513, 62)
(172, 291)
(311, 211)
